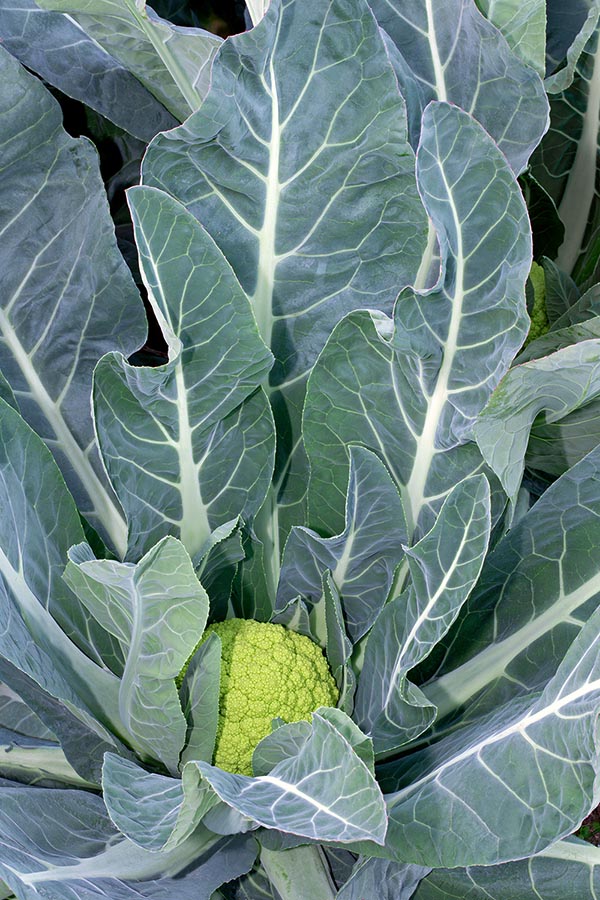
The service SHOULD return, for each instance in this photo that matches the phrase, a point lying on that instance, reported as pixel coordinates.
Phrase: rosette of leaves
(336, 443)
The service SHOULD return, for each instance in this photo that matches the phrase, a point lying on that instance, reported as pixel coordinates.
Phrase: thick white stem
(299, 873)
(579, 194)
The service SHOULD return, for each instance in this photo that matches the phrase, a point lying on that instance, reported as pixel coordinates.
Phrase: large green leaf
(362, 560)
(559, 438)
(46, 633)
(582, 307)
(66, 848)
(567, 870)
(83, 741)
(412, 389)
(284, 741)
(54, 46)
(316, 220)
(444, 566)
(154, 811)
(523, 24)
(188, 445)
(58, 249)
(554, 448)
(559, 338)
(555, 385)
(450, 52)
(519, 779)
(16, 715)
(287, 740)
(382, 878)
(537, 589)
(200, 700)
(568, 29)
(157, 611)
(325, 791)
(173, 63)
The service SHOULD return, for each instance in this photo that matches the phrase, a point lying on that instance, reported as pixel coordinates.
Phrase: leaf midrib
(102, 504)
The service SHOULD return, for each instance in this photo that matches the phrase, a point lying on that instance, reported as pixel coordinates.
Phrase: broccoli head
(267, 672)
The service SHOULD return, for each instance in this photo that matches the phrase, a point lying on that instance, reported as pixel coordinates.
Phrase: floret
(266, 672)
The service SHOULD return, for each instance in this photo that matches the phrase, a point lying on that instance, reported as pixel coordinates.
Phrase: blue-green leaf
(36, 761)
(444, 564)
(154, 811)
(555, 385)
(325, 792)
(413, 388)
(315, 221)
(567, 870)
(46, 633)
(16, 715)
(66, 848)
(200, 700)
(188, 445)
(362, 560)
(452, 53)
(523, 24)
(73, 256)
(382, 878)
(520, 778)
(173, 63)
(54, 46)
(568, 31)
(537, 589)
(157, 610)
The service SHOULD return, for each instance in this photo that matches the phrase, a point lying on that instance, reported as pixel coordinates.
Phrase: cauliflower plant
(266, 672)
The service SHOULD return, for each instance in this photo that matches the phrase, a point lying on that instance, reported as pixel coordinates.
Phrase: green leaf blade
(524, 27)
(431, 374)
(301, 214)
(158, 610)
(555, 385)
(47, 634)
(154, 811)
(54, 46)
(173, 63)
(340, 803)
(67, 847)
(73, 256)
(490, 81)
(445, 565)
(537, 589)
(362, 576)
(173, 437)
(568, 870)
(532, 761)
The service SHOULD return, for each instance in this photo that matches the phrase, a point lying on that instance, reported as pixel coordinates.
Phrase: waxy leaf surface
(189, 445)
(413, 388)
(58, 246)
(315, 221)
